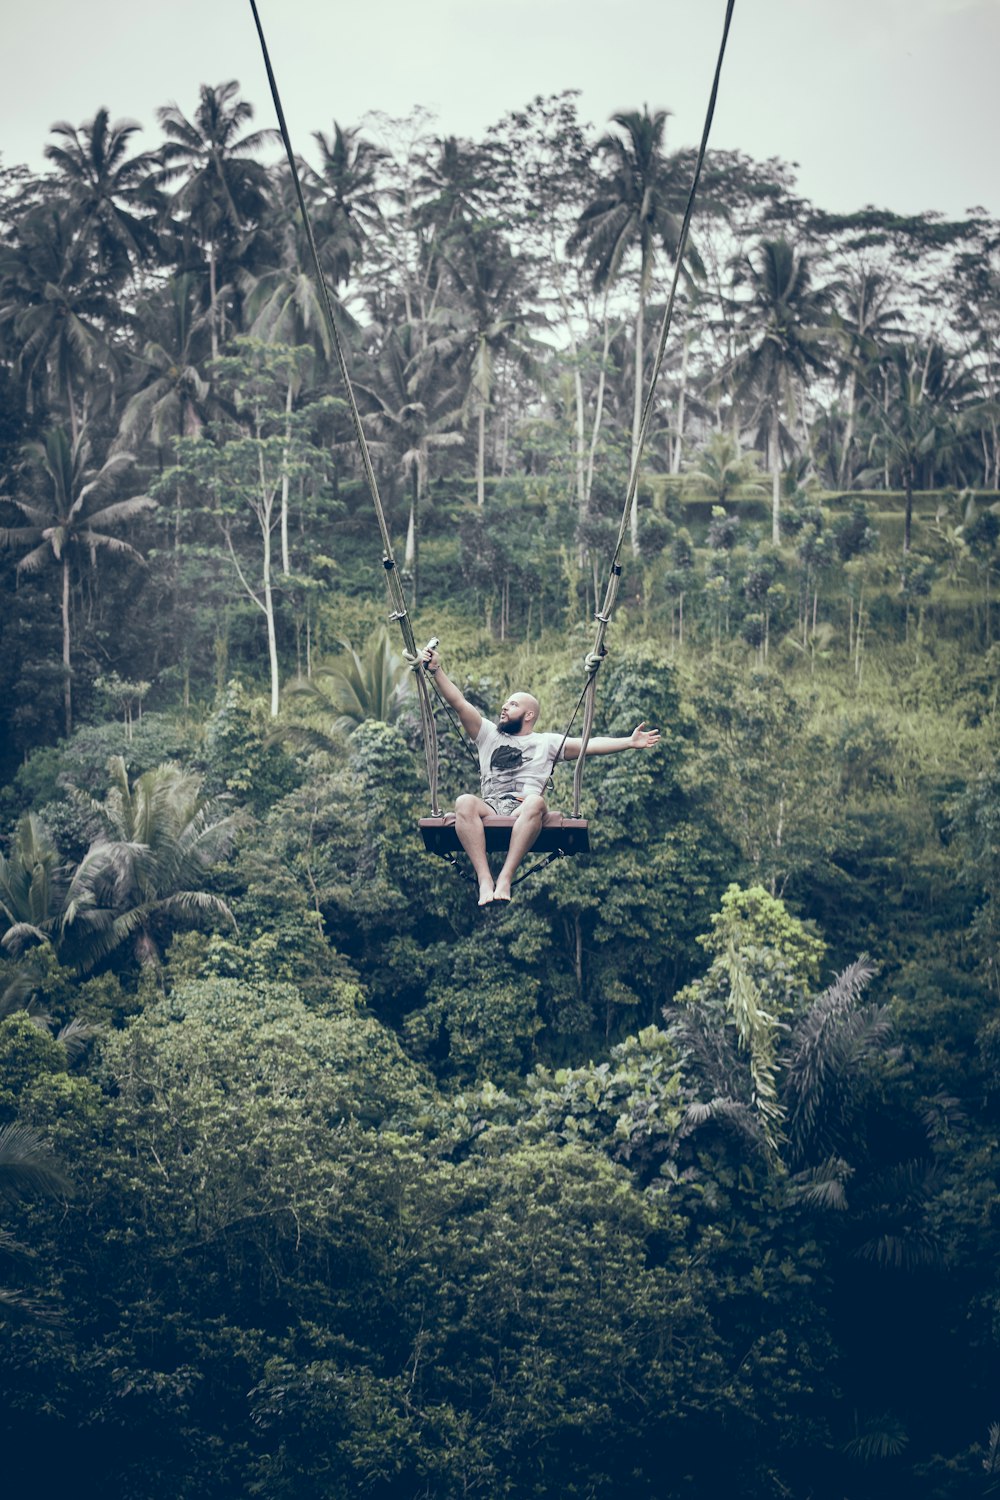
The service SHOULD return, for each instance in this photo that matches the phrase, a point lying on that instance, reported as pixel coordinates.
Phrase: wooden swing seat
(556, 835)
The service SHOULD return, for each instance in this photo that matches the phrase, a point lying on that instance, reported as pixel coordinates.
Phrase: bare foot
(486, 895)
(502, 891)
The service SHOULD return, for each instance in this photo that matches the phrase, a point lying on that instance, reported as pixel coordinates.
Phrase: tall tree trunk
(844, 474)
(885, 412)
(481, 457)
(504, 431)
(581, 452)
(212, 299)
(640, 335)
(67, 679)
(675, 462)
(598, 409)
(774, 443)
(286, 566)
(908, 513)
(272, 639)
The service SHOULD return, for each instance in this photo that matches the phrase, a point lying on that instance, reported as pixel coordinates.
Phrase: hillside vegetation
(676, 1178)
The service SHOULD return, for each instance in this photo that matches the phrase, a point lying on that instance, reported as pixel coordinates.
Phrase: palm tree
(31, 886)
(285, 306)
(639, 206)
(454, 189)
(917, 421)
(284, 301)
(111, 192)
(223, 191)
(346, 199)
(783, 324)
(722, 467)
(414, 392)
(142, 876)
(824, 1062)
(347, 690)
(867, 320)
(55, 309)
(66, 521)
(494, 323)
(172, 386)
(792, 1086)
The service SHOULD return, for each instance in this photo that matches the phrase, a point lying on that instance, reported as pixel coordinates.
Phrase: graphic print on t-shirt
(506, 758)
(515, 767)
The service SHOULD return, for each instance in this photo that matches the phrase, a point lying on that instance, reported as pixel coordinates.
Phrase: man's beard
(511, 726)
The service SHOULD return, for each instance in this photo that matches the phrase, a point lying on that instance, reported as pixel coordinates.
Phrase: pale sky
(891, 102)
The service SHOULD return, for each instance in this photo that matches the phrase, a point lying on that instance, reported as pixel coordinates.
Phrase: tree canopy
(676, 1177)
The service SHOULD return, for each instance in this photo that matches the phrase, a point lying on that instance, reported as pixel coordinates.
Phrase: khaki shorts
(504, 807)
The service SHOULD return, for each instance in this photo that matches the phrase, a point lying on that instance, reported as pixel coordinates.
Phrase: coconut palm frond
(103, 931)
(824, 1186)
(697, 1113)
(903, 1251)
(36, 559)
(18, 935)
(32, 883)
(106, 868)
(740, 1117)
(308, 738)
(193, 903)
(350, 689)
(206, 839)
(120, 510)
(900, 1239)
(881, 1438)
(27, 1165)
(29, 1305)
(708, 1053)
(827, 1047)
(75, 1036)
(16, 991)
(943, 1114)
(15, 536)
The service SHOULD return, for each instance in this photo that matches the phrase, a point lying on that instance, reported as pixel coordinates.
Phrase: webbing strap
(397, 601)
(604, 614)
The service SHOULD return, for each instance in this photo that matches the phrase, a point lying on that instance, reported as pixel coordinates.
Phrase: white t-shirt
(514, 765)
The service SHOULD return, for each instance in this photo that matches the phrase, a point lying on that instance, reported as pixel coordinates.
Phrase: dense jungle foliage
(676, 1178)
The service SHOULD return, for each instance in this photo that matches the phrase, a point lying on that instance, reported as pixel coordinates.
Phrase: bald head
(519, 714)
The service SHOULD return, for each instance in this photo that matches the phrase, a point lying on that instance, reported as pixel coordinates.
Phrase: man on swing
(515, 763)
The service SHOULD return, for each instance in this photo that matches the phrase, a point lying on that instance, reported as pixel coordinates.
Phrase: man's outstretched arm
(470, 718)
(641, 738)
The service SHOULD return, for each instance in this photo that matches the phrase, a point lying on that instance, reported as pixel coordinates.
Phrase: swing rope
(397, 600)
(603, 616)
